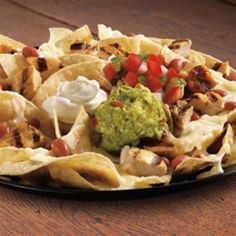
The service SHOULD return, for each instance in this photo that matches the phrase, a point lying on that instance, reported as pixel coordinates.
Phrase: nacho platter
(114, 114)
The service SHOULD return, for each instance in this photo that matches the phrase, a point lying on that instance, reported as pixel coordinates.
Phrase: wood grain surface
(207, 210)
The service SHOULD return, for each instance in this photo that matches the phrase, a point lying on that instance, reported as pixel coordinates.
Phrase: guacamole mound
(140, 115)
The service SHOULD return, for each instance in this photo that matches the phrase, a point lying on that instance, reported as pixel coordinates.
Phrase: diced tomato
(132, 63)
(109, 71)
(59, 147)
(171, 73)
(4, 129)
(94, 121)
(117, 103)
(154, 68)
(153, 82)
(173, 95)
(131, 78)
(157, 58)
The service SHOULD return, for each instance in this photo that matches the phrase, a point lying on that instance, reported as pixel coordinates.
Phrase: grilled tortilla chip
(46, 66)
(81, 39)
(26, 82)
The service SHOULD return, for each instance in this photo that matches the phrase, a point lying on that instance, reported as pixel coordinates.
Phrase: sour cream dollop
(71, 95)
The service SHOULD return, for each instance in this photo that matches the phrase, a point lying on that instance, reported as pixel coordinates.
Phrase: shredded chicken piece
(142, 162)
(181, 114)
(200, 80)
(210, 103)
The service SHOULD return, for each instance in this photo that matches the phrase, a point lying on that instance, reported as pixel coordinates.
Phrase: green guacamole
(141, 115)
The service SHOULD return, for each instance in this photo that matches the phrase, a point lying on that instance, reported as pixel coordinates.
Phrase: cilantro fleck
(144, 57)
(142, 79)
(116, 61)
(123, 97)
(177, 82)
(163, 79)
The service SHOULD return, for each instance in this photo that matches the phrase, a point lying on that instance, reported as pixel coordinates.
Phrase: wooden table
(207, 210)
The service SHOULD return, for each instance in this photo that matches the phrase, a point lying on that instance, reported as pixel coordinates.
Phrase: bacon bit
(230, 106)
(195, 116)
(222, 93)
(117, 103)
(199, 80)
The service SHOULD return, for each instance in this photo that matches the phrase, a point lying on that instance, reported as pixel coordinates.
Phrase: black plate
(84, 194)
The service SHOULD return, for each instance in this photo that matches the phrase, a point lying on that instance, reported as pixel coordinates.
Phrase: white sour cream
(71, 95)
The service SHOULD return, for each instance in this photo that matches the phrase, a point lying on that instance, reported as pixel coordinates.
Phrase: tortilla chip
(79, 138)
(200, 134)
(12, 64)
(70, 73)
(79, 36)
(169, 55)
(105, 32)
(86, 170)
(193, 165)
(46, 66)
(10, 43)
(57, 34)
(26, 82)
(49, 50)
(19, 161)
(132, 182)
(70, 59)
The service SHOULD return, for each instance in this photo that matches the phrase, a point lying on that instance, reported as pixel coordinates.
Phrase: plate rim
(155, 190)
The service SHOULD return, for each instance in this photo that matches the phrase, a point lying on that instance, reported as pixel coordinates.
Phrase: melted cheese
(226, 85)
(200, 134)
